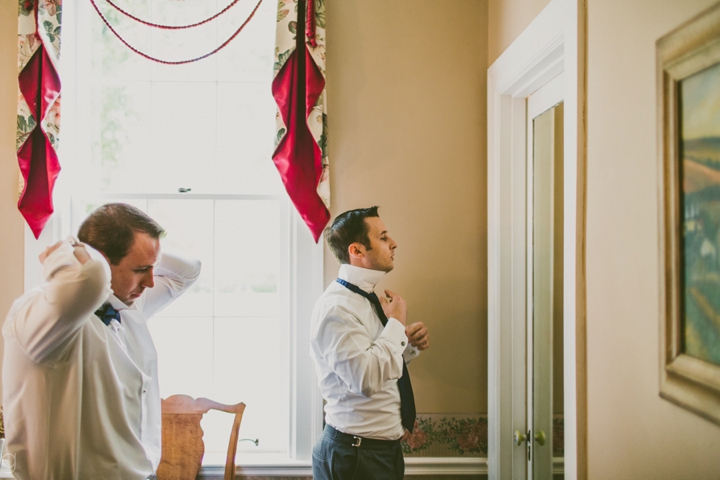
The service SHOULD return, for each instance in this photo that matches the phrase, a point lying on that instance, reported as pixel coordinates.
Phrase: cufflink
(402, 343)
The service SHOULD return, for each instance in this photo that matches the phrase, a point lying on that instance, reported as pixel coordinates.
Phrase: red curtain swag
(298, 158)
(39, 84)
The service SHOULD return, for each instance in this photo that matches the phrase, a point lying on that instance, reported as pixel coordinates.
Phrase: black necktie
(407, 399)
(107, 313)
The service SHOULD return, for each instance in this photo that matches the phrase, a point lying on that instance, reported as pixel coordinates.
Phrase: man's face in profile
(381, 254)
(135, 271)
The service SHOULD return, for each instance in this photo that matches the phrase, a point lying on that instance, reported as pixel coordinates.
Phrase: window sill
(255, 464)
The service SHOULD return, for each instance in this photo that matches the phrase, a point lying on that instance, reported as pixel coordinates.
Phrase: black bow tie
(107, 313)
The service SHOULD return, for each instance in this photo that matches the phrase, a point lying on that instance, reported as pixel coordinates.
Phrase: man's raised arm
(46, 320)
(173, 276)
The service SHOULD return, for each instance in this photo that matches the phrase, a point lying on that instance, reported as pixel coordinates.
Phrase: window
(141, 132)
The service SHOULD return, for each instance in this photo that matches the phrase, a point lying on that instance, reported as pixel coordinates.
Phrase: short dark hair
(111, 229)
(348, 228)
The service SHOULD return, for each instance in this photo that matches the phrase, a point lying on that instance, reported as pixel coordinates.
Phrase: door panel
(545, 319)
(544, 374)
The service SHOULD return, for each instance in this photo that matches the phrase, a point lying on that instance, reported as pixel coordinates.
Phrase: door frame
(553, 43)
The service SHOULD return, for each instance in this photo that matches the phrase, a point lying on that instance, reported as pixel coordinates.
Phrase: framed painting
(688, 69)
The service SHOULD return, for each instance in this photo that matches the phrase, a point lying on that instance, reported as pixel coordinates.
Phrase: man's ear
(356, 250)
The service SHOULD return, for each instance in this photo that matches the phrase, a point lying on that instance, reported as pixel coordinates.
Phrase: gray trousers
(334, 458)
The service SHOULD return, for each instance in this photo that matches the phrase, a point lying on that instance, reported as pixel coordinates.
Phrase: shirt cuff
(410, 353)
(395, 332)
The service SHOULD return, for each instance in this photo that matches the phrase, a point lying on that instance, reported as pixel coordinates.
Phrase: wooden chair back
(182, 443)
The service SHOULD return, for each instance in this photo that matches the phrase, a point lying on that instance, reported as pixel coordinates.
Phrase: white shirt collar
(118, 304)
(364, 278)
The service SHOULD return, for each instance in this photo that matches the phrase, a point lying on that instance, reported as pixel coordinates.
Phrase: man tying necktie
(361, 345)
(80, 373)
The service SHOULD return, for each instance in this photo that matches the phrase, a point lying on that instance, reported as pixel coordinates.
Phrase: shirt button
(402, 343)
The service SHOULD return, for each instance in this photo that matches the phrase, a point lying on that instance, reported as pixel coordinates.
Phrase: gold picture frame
(688, 63)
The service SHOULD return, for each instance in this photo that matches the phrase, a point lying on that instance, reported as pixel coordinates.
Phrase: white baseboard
(413, 466)
(446, 466)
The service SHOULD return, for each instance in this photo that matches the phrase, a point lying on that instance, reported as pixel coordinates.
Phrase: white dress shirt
(358, 361)
(81, 399)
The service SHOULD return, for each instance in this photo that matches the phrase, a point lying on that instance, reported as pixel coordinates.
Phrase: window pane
(183, 146)
(247, 249)
(189, 227)
(247, 58)
(245, 133)
(185, 355)
(252, 366)
(109, 57)
(120, 137)
(178, 45)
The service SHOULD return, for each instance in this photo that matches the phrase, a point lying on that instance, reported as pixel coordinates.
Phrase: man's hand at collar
(394, 306)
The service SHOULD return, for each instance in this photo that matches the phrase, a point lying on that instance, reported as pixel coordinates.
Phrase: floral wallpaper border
(443, 435)
(460, 435)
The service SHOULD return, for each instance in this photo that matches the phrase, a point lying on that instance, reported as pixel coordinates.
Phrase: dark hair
(111, 229)
(348, 228)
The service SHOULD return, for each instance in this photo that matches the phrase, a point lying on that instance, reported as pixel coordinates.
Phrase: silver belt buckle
(358, 441)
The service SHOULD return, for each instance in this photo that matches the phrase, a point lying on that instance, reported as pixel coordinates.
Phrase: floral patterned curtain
(38, 115)
(299, 90)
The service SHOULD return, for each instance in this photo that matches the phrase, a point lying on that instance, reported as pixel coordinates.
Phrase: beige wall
(407, 103)
(11, 233)
(633, 433)
(506, 20)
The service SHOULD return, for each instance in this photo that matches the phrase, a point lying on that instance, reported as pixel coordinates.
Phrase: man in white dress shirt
(80, 384)
(360, 344)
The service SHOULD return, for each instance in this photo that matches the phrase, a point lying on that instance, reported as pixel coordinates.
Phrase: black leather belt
(359, 442)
